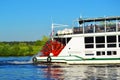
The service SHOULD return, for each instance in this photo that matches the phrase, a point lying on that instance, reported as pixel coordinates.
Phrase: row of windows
(99, 53)
(101, 39)
(100, 45)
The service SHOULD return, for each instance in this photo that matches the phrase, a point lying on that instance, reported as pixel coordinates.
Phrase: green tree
(30, 50)
(15, 50)
(38, 43)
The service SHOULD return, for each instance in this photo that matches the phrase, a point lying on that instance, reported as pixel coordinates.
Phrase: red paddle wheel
(54, 47)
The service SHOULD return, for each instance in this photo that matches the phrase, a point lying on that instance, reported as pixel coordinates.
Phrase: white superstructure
(94, 41)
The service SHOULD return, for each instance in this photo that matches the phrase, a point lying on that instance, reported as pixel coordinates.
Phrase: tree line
(22, 48)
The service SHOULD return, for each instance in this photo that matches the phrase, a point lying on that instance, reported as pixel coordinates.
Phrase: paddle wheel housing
(52, 46)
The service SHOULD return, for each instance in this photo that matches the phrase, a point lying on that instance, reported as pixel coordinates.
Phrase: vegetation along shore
(22, 48)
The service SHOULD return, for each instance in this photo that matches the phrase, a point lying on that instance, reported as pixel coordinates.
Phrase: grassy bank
(23, 48)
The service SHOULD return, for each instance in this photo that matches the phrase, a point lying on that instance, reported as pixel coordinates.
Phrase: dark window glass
(89, 46)
(114, 53)
(89, 54)
(100, 45)
(108, 52)
(111, 45)
(119, 38)
(68, 39)
(103, 52)
(98, 53)
(100, 39)
(111, 39)
(89, 40)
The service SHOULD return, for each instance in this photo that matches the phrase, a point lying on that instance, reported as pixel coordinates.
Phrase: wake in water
(15, 60)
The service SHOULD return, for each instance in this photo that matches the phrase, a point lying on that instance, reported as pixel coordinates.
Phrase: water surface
(21, 68)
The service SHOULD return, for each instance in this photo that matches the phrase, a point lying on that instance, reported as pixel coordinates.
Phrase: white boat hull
(76, 60)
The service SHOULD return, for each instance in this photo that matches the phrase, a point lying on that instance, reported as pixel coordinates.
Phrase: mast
(52, 28)
(52, 34)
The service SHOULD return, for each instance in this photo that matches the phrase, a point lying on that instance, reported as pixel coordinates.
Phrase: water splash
(21, 62)
(15, 61)
(18, 60)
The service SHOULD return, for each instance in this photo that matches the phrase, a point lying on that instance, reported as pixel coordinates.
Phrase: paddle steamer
(92, 41)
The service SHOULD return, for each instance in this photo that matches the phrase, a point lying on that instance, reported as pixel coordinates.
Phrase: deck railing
(93, 25)
(96, 29)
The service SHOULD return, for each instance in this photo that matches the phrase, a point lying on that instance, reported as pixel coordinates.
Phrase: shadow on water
(80, 72)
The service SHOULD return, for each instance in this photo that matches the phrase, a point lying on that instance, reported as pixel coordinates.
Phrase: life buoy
(49, 59)
(34, 59)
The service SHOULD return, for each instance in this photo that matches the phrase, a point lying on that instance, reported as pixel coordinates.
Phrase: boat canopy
(98, 19)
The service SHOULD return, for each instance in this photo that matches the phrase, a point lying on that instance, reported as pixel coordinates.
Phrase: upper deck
(94, 25)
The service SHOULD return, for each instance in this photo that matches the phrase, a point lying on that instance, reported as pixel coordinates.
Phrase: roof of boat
(81, 20)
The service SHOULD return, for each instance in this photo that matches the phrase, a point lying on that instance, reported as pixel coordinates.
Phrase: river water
(21, 68)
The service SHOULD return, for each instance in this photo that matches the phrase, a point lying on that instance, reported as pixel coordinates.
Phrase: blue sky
(29, 20)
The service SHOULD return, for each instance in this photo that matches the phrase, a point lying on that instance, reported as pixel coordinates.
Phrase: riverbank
(21, 48)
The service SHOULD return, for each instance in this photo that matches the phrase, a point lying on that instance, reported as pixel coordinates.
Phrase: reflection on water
(52, 72)
(80, 72)
(103, 73)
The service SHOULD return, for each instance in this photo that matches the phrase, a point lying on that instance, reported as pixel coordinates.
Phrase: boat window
(111, 45)
(114, 53)
(89, 40)
(111, 39)
(98, 53)
(119, 45)
(68, 39)
(100, 39)
(108, 52)
(100, 45)
(89, 54)
(63, 40)
(103, 52)
(89, 46)
(119, 40)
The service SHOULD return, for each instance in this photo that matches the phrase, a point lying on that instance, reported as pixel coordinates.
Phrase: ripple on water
(19, 68)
